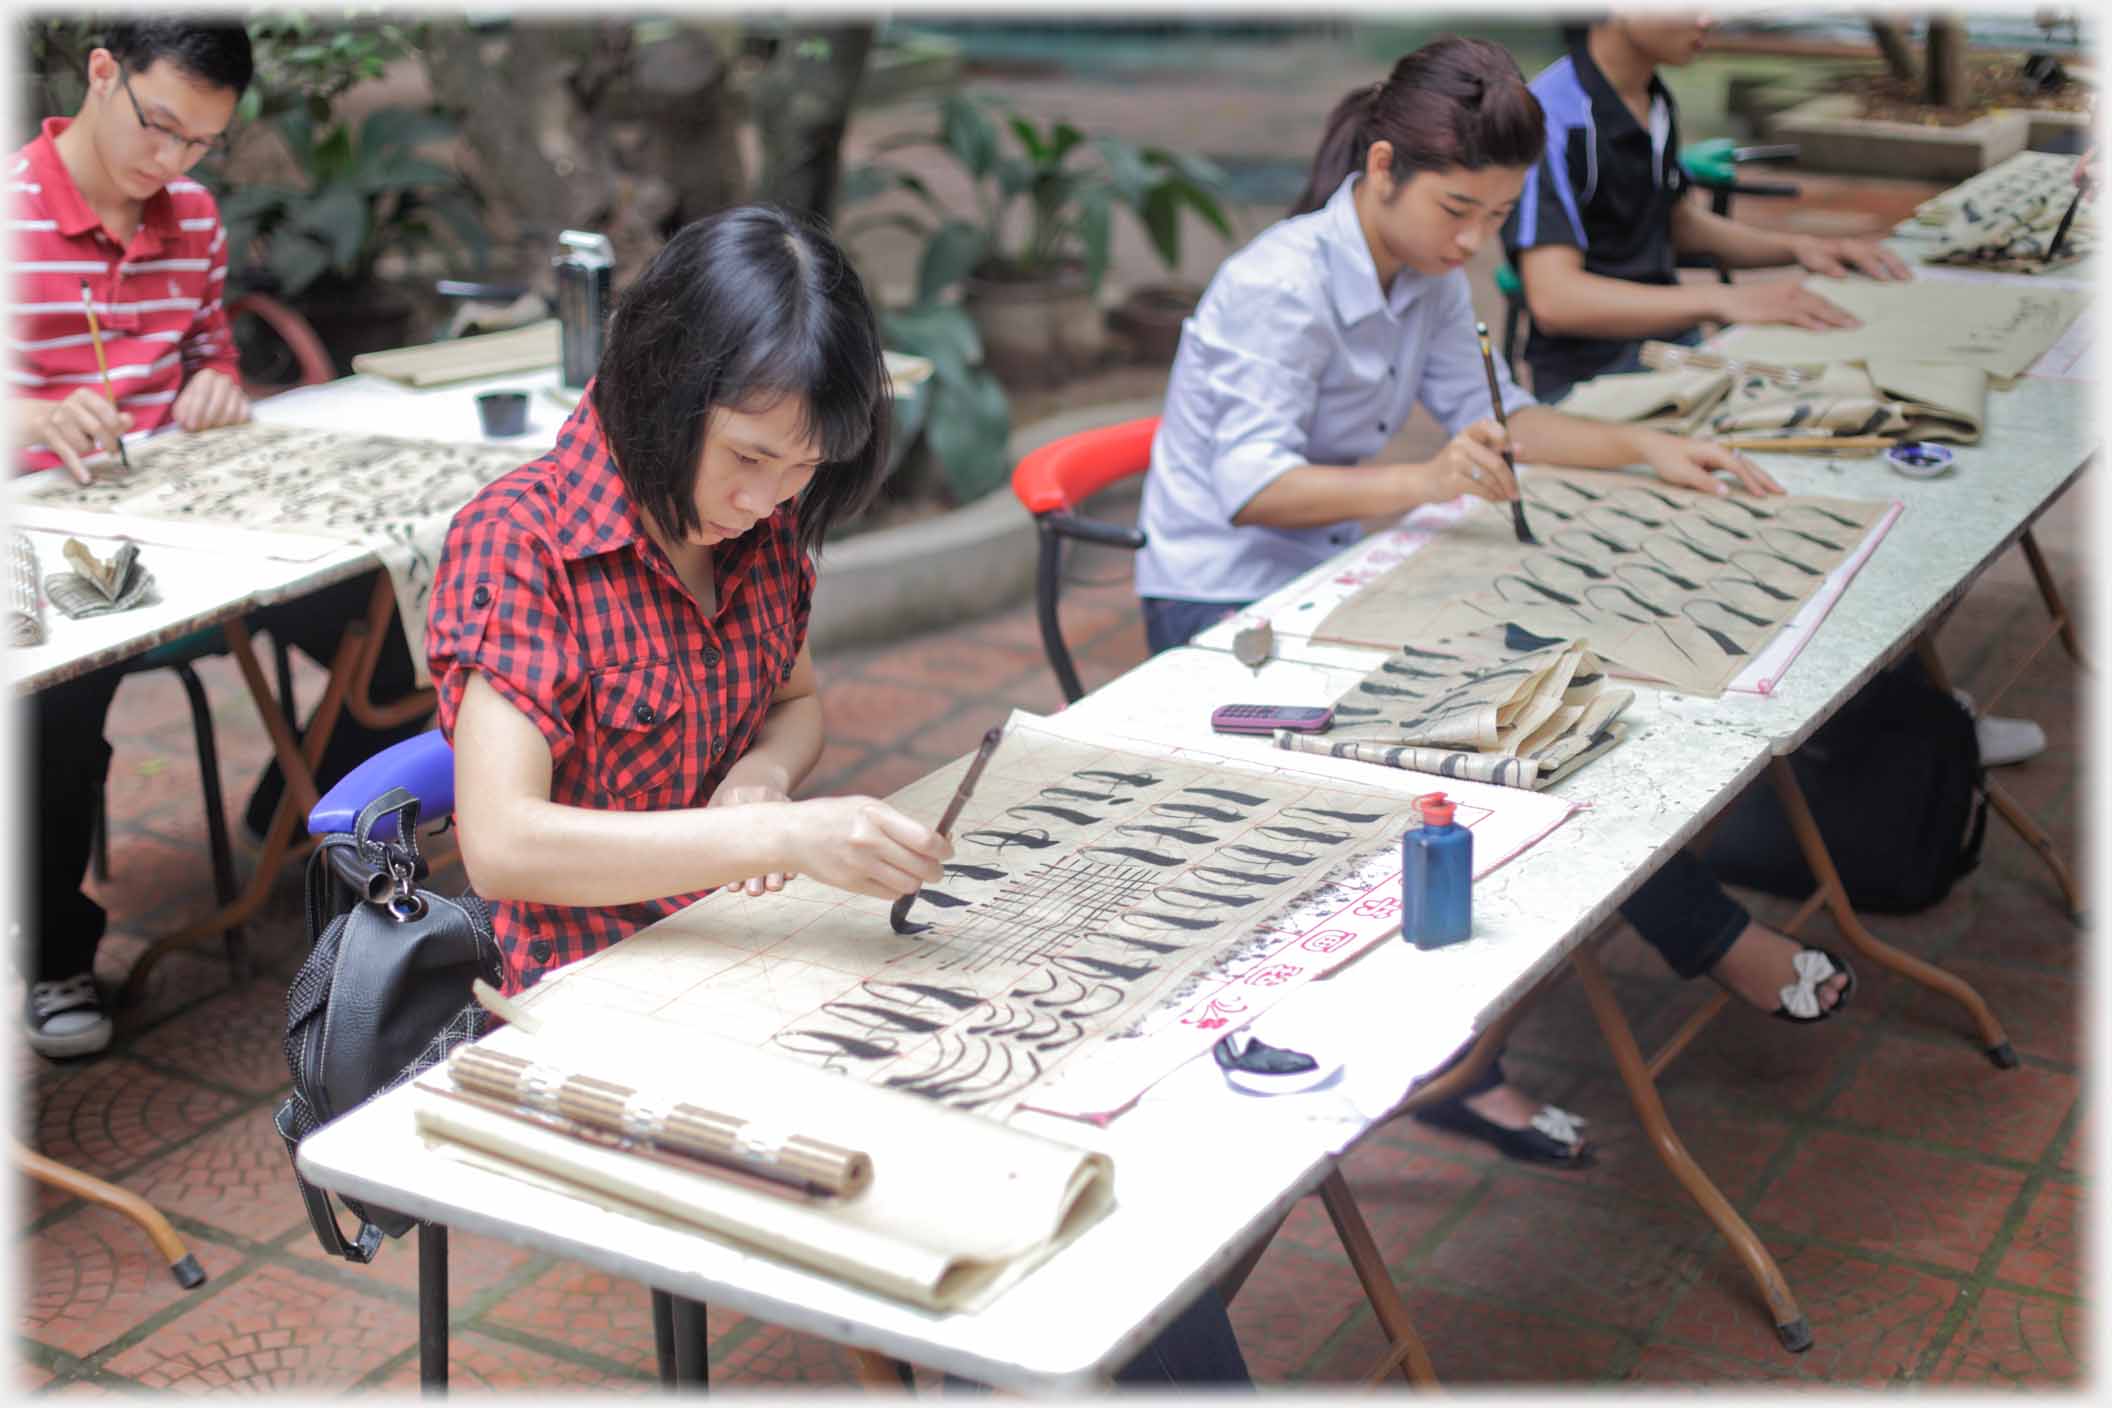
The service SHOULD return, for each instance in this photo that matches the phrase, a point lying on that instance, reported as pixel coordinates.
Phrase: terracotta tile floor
(1927, 1209)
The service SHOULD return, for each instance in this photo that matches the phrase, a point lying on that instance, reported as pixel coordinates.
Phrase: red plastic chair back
(295, 330)
(1065, 473)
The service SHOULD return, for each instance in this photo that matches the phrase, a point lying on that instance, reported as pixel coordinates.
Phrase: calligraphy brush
(1488, 365)
(2060, 232)
(102, 367)
(898, 917)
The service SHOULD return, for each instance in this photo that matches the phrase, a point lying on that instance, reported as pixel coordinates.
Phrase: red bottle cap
(1436, 810)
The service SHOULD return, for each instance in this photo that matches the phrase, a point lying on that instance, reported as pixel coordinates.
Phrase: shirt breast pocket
(648, 740)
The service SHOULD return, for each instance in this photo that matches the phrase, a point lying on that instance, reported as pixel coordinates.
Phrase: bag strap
(398, 808)
(322, 1217)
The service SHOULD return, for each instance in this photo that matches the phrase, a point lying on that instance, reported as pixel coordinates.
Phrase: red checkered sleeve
(501, 607)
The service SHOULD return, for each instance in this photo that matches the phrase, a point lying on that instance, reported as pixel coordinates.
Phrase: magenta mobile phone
(1267, 718)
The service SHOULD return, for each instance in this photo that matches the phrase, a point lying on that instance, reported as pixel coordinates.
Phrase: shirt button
(711, 655)
(1391, 369)
(481, 597)
(718, 747)
(540, 950)
(644, 713)
(1382, 427)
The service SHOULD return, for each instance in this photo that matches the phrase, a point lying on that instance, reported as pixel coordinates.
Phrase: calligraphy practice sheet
(1456, 708)
(1107, 915)
(2004, 219)
(2001, 328)
(1662, 583)
(393, 496)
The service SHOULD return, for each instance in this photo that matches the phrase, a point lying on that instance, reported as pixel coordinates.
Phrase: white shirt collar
(1353, 277)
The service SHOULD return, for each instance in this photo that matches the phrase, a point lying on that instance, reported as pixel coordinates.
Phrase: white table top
(208, 574)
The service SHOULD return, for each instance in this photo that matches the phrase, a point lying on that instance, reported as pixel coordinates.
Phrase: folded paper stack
(1454, 709)
(97, 587)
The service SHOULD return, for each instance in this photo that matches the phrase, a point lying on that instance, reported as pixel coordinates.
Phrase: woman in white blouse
(1308, 351)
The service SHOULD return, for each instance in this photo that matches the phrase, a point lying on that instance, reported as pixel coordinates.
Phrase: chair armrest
(1091, 530)
(423, 766)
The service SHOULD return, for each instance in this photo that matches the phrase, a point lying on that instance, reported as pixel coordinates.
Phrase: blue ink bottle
(1437, 877)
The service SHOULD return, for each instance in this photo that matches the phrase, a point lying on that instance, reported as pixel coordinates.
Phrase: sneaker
(66, 1018)
(2003, 740)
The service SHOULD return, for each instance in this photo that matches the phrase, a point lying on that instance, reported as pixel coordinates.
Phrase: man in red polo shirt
(103, 200)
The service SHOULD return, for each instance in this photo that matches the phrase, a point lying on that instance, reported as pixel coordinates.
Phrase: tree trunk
(1892, 43)
(1946, 86)
(801, 104)
(610, 126)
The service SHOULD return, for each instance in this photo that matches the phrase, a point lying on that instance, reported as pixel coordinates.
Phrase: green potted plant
(364, 194)
(1031, 256)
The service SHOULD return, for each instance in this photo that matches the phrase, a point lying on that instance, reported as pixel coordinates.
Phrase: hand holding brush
(1488, 366)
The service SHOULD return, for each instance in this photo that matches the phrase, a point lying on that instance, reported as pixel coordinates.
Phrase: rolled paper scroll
(25, 604)
(610, 1110)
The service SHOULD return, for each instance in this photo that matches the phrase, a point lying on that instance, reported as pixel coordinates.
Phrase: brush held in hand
(1488, 366)
(898, 917)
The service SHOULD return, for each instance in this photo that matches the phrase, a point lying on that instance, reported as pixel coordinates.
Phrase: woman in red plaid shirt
(618, 632)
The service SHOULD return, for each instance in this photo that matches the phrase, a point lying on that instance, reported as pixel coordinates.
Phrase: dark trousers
(69, 762)
(1171, 621)
(1551, 386)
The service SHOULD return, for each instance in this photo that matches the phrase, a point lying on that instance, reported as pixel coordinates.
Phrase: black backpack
(384, 992)
(1895, 783)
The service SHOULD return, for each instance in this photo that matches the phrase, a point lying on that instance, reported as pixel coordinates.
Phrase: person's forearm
(785, 748)
(547, 853)
(1313, 496)
(1698, 231)
(1543, 435)
(1579, 304)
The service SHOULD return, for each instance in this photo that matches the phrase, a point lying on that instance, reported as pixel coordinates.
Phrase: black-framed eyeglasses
(192, 147)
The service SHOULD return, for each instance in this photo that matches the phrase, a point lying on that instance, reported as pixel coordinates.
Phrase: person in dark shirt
(1606, 215)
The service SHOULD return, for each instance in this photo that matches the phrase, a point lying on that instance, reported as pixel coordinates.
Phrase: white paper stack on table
(958, 1207)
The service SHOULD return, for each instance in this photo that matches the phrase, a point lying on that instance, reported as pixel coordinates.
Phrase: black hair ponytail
(1453, 102)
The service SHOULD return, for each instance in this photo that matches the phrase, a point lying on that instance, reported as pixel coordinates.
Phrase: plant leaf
(941, 331)
(296, 263)
(951, 253)
(1094, 227)
(1016, 176)
(968, 132)
(1161, 216)
(968, 427)
(1127, 171)
(865, 182)
(1062, 139)
(403, 128)
(403, 173)
(1030, 141)
(339, 219)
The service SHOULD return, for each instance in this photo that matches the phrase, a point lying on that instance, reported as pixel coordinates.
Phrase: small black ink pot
(503, 413)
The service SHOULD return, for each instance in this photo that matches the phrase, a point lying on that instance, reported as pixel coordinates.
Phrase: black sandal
(1807, 986)
(1531, 1144)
